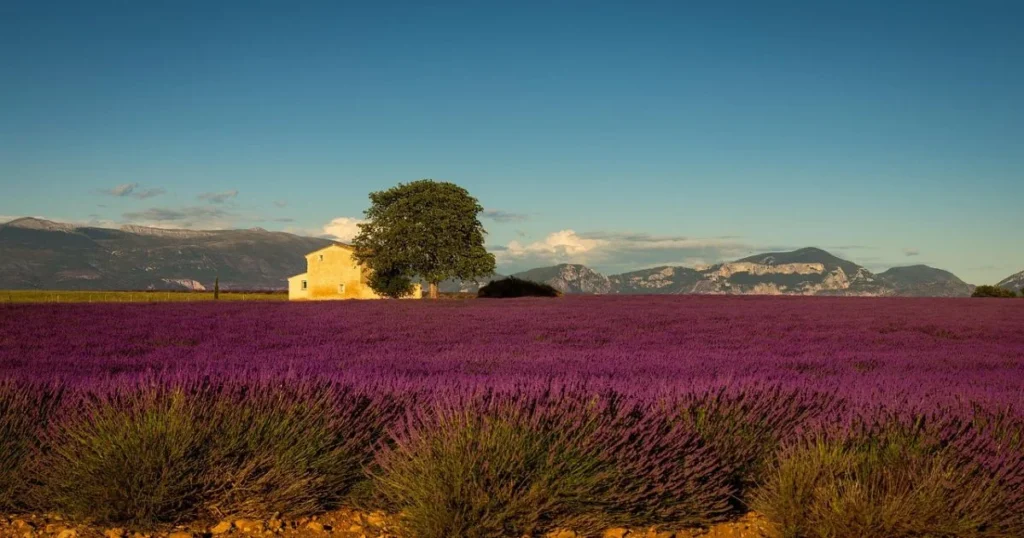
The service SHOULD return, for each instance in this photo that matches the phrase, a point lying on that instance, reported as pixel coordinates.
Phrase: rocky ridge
(570, 278)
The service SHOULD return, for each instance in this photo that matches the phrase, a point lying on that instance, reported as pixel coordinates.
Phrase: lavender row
(512, 461)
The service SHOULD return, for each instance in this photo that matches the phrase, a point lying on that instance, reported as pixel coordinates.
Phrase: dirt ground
(341, 524)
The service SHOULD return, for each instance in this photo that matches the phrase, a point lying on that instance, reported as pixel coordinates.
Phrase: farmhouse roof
(332, 245)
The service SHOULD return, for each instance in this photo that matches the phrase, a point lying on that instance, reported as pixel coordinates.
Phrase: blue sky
(621, 135)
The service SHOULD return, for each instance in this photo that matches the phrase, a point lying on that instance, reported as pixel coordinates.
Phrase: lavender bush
(137, 459)
(157, 455)
(294, 449)
(897, 477)
(500, 472)
(25, 410)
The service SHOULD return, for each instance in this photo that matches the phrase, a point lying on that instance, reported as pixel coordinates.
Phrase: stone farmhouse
(333, 273)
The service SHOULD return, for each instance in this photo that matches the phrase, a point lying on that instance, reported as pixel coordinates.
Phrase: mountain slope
(1013, 282)
(569, 278)
(806, 271)
(924, 281)
(801, 256)
(40, 254)
(660, 280)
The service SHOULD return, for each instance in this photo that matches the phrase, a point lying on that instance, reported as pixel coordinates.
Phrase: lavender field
(874, 351)
(580, 412)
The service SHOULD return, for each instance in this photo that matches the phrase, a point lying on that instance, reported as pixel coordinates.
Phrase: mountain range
(41, 254)
(807, 271)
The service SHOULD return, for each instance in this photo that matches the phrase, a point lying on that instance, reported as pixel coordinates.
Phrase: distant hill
(40, 254)
(924, 281)
(37, 253)
(1013, 282)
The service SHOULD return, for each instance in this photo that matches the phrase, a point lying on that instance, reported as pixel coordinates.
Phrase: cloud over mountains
(342, 229)
(184, 217)
(615, 250)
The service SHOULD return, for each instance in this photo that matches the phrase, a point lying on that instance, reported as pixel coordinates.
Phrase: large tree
(430, 229)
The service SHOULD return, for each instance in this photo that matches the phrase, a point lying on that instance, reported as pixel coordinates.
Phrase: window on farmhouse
(341, 288)
(321, 257)
(304, 284)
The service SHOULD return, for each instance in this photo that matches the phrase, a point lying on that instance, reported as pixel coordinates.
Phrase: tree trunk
(433, 290)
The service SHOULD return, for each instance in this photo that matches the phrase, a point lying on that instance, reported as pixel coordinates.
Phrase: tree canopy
(428, 229)
(391, 283)
(993, 291)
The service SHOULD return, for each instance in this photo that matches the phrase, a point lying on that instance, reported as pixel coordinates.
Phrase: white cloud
(123, 189)
(148, 193)
(342, 228)
(132, 189)
(217, 197)
(617, 251)
(7, 218)
(560, 244)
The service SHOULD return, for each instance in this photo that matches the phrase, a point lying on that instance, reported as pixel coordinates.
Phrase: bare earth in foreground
(341, 524)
